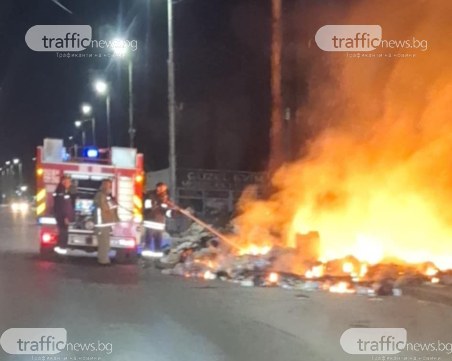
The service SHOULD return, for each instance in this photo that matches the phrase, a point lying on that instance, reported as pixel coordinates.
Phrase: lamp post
(18, 163)
(101, 88)
(121, 50)
(131, 120)
(87, 110)
(73, 146)
(7, 178)
(2, 184)
(79, 124)
(171, 102)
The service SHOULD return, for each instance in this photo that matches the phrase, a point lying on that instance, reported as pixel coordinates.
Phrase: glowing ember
(363, 270)
(341, 287)
(209, 275)
(254, 250)
(431, 271)
(315, 272)
(435, 280)
(273, 278)
(348, 267)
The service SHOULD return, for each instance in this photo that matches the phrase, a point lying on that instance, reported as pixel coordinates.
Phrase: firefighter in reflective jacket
(106, 216)
(156, 209)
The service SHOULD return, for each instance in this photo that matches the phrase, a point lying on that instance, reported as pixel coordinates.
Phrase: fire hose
(203, 224)
(196, 220)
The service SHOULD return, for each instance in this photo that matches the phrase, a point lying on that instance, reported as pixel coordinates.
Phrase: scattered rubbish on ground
(197, 253)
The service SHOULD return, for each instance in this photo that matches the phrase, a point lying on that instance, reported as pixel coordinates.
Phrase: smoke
(376, 179)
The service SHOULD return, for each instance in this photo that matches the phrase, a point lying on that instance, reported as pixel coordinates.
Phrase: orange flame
(431, 271)
(273, 277)
(341, 287)
(315, 272)
(208, 275)
(376, 182)
(254, 250)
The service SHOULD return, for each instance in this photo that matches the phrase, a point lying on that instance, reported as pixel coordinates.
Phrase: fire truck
(87, 167)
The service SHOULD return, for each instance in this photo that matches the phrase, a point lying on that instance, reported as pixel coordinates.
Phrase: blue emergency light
(91, 152)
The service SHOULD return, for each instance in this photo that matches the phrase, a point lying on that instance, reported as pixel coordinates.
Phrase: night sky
(222, 79)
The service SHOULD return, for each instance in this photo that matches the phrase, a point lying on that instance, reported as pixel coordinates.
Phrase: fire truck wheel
(126, 256)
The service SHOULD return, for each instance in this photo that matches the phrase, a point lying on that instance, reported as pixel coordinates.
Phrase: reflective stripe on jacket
(154, 225)
(106, 214)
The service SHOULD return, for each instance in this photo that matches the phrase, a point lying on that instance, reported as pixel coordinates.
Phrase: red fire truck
(87, 168)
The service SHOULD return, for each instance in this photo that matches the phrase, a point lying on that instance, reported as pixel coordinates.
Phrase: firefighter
(64, 212)
(156, 209)
(106, 216)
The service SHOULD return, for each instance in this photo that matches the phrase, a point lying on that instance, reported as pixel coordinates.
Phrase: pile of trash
(196, 253)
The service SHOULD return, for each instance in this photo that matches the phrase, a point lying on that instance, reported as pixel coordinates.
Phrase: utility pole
(93, 130)
(277, 127)
(131, 127)
(107, 105)
(171, 103)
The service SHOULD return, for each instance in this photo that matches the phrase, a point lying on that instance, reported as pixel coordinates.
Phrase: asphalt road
(143, 315)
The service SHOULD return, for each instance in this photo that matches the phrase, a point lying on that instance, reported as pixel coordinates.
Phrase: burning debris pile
(197, 254)
(373, 177)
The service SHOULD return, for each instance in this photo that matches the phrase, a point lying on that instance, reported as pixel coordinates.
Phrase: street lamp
(87, 110)
(16, 161)
(79, 124)
(101, 88)
(73, 148)
(121, 49)
(8, 169)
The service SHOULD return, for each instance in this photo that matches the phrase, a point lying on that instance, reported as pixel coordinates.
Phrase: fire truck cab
(87, 168)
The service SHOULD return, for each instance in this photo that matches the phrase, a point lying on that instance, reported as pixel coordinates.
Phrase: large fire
(376, 180)
(254, 250)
